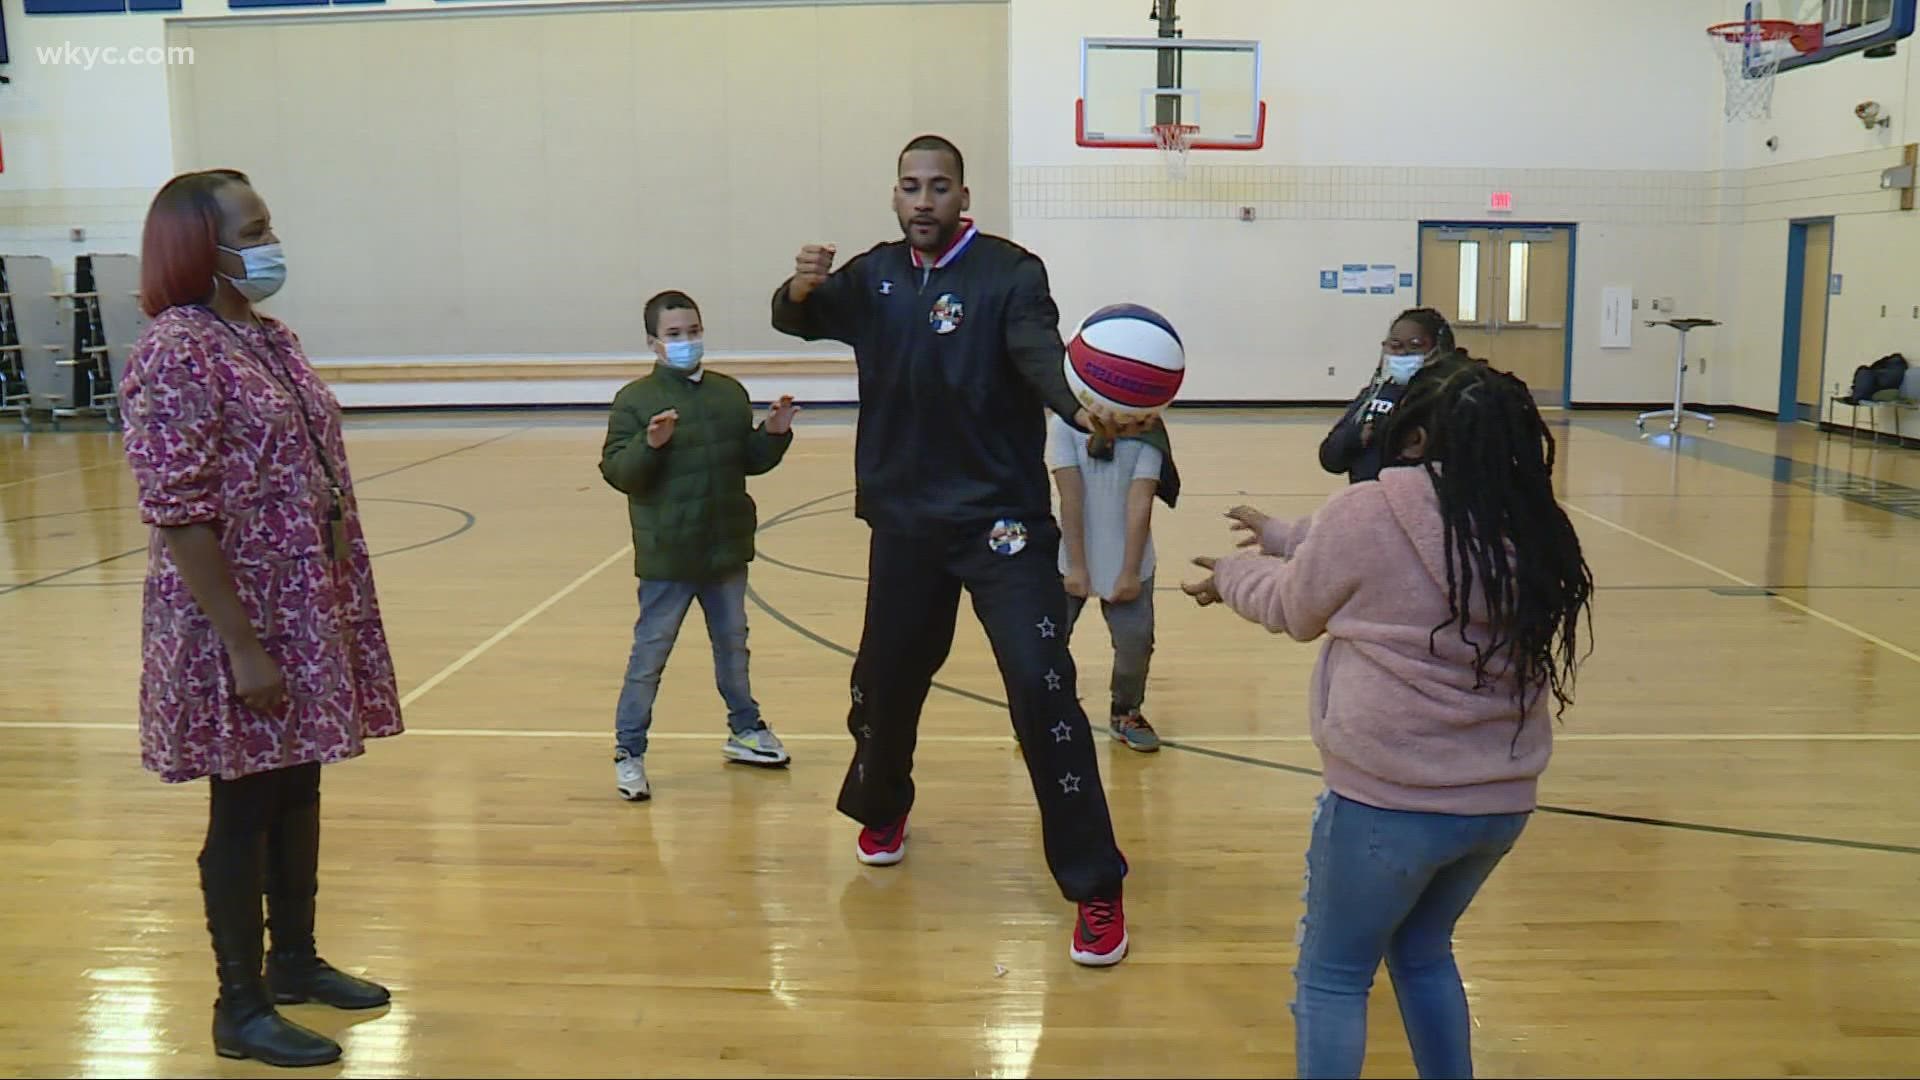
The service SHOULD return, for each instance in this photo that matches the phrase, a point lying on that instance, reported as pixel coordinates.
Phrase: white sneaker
(630, 776)
(757, 747)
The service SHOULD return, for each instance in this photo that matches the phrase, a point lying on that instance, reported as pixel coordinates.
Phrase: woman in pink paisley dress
(263, 654)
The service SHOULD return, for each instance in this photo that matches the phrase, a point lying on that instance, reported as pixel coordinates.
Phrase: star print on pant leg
(858, 697)
(1062, 732)
(866, 731)
(1053, 680)
(1069, 785)
(1045, 626)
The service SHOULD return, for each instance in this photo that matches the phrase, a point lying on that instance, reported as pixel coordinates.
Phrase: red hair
(182, 239)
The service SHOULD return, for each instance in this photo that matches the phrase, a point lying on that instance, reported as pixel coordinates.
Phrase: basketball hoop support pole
(1167, 110)
(1163, 13)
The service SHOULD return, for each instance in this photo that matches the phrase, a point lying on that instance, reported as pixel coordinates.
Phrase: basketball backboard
(1845, 27)
(1127, 85)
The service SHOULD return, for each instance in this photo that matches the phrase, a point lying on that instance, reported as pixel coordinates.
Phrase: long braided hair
(1490, 456)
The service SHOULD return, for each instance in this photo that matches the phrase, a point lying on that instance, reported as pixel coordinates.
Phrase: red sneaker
(1100, 935)
(884, 846)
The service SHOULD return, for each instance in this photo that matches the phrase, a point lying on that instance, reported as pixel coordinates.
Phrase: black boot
(245, 1024)
(294, 970)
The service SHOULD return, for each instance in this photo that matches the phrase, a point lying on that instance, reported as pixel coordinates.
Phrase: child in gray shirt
(1106, 551)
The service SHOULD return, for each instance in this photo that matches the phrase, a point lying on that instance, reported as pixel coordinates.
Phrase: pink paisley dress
(213, 435)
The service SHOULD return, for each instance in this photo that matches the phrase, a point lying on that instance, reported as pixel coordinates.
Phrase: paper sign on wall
(1353, 278)
(1616, 317)
(1329, 279)
(1380, 279)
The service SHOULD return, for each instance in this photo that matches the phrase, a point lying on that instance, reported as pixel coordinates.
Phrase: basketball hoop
(1750, 55)
(1175, 142)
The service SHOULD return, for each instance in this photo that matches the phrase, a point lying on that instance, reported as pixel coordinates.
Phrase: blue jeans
(663, 607)
(1389, 883)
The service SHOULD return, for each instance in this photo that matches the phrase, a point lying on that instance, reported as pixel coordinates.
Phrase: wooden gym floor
(1721, 882)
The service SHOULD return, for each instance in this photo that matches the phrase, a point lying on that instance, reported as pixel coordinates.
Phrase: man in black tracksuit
(957, 340)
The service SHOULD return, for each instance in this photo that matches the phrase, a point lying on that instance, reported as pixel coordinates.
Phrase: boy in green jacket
(681, 443)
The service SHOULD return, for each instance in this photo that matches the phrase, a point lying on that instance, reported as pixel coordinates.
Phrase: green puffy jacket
(692, 517)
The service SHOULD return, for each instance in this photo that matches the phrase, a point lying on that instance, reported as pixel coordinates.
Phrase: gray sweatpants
(1130, 625)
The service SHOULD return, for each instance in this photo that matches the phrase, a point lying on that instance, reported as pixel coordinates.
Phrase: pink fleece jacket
(1399, 725)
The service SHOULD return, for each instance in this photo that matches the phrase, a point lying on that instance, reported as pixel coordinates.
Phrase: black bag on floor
(1886, 373)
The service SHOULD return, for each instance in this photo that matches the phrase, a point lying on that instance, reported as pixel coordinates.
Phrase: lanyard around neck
(282, 376)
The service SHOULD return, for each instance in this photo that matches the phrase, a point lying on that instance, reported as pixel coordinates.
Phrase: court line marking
(964, 740)
(1597, 815)
(1738, 580)
(834, 575)
(468, 522)
(61, 472)
(7, 590)
(1304, 771)
(500, 635)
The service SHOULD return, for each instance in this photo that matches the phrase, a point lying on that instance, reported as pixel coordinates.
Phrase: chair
(1905, 399)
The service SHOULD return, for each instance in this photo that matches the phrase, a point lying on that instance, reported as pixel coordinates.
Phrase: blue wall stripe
(74, 7)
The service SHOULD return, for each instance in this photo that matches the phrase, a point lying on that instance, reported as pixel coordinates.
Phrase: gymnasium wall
(1375, 125)
(86, 122)
(1813, 108)
(489, 182)
(1825, 164)
(516, 184)
(1370, 132)
(1874, 252)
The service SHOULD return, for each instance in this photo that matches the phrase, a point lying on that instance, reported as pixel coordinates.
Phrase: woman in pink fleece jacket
(1449, 591)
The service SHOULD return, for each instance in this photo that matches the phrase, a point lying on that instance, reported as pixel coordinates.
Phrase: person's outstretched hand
(1205, 592)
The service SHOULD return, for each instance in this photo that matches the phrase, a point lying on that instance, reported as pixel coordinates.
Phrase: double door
(1505, 291)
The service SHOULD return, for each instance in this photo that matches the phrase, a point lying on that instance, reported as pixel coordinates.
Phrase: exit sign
(1500, 202)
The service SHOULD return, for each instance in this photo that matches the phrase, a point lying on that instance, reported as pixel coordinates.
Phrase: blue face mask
(685, 355)
(266, 271)
(1402, 369)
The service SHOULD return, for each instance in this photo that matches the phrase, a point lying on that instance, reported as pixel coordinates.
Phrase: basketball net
(1750, 54)
(1175, 142)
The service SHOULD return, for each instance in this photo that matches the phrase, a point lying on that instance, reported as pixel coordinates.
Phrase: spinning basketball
(1126, 359)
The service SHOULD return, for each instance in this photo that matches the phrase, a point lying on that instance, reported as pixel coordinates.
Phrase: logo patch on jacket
(1008, 537)
(946, 314)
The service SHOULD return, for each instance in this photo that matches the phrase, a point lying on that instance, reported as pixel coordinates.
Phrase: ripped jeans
(1389, 884)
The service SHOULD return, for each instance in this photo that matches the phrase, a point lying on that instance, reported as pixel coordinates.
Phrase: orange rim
(1803, 37)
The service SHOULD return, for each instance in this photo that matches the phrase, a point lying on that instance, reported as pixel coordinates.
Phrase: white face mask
(266, 271)
(1402, 369)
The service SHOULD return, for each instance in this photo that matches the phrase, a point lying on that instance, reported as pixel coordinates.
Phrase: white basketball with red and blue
(1126, 359)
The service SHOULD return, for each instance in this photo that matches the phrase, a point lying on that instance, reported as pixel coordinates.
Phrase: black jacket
(959, 363)
(1341, 452)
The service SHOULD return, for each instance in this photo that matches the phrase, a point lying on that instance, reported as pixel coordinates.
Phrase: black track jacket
(959, 362)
